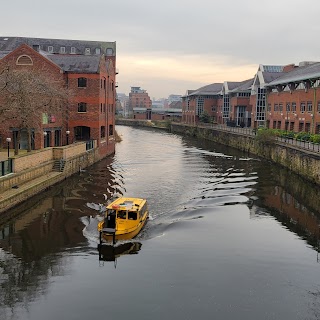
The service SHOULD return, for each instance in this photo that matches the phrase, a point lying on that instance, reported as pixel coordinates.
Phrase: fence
(314, 147)
(5, 167)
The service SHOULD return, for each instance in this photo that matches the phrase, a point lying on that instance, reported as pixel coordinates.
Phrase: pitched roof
(211, 89)
(10, 43)
(76, 63)
(243, 86)
(271, 76)
(308, 72)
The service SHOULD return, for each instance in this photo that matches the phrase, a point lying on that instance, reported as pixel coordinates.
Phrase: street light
(45, 133)
(8, 142)
(67, 132)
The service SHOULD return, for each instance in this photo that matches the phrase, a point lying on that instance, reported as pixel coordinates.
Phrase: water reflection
(113, 252)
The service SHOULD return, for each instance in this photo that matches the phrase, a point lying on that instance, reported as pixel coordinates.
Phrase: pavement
(4, 153)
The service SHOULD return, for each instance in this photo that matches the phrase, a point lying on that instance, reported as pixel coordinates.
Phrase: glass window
(132, 215)
(82, 107)
(50, 48)
(73, 50)
(82, 82)
(122, 214)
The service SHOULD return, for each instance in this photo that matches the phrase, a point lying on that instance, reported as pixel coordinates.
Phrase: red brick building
(139, 98)
(204, 99)
(87, 69)
(278, 97)
(293, 100)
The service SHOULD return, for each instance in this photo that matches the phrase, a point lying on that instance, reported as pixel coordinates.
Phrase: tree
(204, 117)
(27, 95)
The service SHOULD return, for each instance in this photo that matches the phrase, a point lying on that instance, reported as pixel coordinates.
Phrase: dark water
(230, 237)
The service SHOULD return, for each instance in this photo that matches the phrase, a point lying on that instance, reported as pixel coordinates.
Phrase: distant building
(138, 98)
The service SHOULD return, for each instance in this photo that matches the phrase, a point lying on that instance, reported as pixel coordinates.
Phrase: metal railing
(5, 167)
(307, 145)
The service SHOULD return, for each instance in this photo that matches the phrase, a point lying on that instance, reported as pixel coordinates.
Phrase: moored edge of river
(38, 170)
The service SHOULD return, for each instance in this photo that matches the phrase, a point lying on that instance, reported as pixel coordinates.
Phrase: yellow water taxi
(124, 219)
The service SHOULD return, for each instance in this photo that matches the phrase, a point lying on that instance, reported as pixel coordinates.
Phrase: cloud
(178, 42)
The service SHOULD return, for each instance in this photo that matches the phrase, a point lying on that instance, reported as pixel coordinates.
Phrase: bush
(266, 136)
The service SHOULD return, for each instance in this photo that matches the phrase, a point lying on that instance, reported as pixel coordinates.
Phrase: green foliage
(265, 136)
(303, 136)
(204, 117)
(315, 138)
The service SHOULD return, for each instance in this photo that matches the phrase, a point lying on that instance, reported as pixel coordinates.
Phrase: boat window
(122, 214)
(132, 215)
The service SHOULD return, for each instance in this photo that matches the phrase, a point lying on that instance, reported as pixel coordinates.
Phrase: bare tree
(25, 95)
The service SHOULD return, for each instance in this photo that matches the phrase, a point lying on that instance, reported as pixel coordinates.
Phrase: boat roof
(127, 203)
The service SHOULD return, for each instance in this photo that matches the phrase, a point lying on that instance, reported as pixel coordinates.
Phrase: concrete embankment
(36, 171)
(300, 161)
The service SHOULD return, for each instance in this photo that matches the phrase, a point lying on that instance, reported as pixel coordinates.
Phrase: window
(98, 50)
(62, 49)
(288, 106)
(110, 130)
(82, 107)
(318, 108)
(82, 82)
(280, 107)
(269, 107)
(87, 51)
(309, 106)
(307, 127)
(50, 49)
(24, 60)
(103, 132)
(109, 52)
(132, 215)
(122, 214)
(291, 126)
(276, 107)
(293, 107)
(300, 126)
(101, 107)
(302, 107)
(73, 50)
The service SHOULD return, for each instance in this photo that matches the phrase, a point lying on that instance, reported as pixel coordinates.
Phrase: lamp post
(67, 132)
(45, 133)
(8, 143)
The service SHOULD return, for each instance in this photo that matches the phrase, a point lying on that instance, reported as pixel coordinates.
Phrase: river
(230, 236)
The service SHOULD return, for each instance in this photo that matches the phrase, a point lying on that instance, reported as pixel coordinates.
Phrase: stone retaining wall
(300, 161)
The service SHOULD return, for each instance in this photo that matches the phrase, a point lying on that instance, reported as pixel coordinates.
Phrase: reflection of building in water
(290, 212)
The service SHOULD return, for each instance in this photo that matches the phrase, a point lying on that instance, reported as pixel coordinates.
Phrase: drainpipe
(313, 108)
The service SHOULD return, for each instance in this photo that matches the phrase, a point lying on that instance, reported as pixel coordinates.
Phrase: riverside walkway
(306, 145)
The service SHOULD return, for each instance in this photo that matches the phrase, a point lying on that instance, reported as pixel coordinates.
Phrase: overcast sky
(170, 46)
